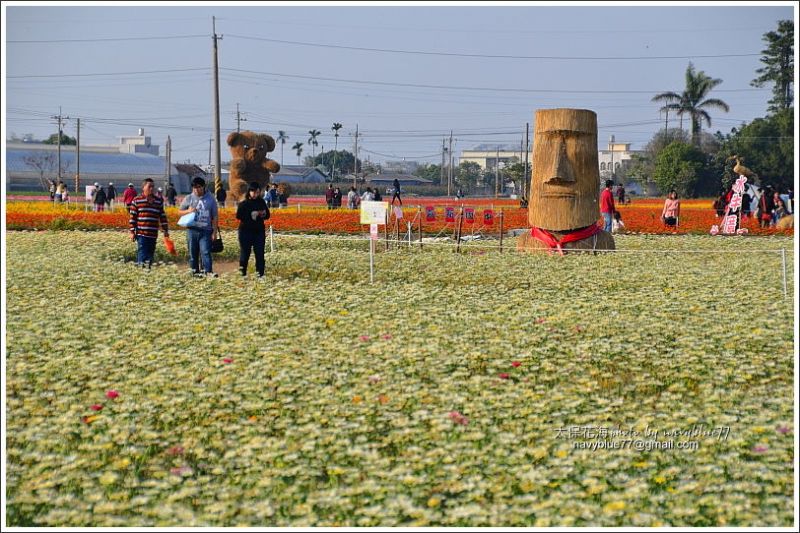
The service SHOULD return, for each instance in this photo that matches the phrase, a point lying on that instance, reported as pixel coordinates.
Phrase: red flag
(469, 215)
(488, 217)
(449, 214)
(430, 213)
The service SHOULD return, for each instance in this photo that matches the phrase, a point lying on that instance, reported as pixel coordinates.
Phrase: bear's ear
(269, 141)
(233, 138)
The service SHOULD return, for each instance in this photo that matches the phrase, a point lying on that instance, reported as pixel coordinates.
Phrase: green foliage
(467, 175)
(680, 166)
(65, 139)
(767, 146)
(429, 172)
(778, 65)
(516, 173)
(343, 158)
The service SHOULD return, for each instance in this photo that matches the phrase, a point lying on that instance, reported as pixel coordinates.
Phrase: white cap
(159, 189)
(110, 183)
(96, 184)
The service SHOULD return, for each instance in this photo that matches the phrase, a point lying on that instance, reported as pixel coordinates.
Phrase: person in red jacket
(129, 195)
(607, 205)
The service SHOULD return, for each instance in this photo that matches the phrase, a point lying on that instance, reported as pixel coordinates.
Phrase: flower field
(470, 389)
(643, 216)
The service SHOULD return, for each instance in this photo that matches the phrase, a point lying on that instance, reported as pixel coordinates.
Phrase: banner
(430, 213)
(469, 215)
(730, 222)
(488, 217)
(449, 214)
(398, 212)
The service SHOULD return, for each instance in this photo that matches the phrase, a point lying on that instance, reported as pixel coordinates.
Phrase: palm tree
(282, 137)
(692, 101)
(336, 127)
(298, 147)
(312, 141)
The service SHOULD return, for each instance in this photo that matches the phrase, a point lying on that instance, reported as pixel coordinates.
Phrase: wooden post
(386, 229)
(460, 221)
(419, 212)
(501, 231)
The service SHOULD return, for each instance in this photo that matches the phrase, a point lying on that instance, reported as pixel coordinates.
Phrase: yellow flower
(562, 453)
(613, 507)
(108, 478)
(121, 464)
(660, 480)
(434, 502)
(357, 399)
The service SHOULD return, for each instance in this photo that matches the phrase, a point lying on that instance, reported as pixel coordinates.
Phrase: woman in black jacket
(252, 213)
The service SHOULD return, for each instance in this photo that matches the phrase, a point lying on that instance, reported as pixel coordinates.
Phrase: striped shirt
(146, 214)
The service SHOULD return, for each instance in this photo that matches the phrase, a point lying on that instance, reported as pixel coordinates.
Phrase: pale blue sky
(94, 62)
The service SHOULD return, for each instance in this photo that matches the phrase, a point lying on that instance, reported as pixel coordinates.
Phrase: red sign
(488, 217)
(449, 214)
(430, 213)
(469, 215)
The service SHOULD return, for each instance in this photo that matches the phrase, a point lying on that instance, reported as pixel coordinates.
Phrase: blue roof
(91, 162)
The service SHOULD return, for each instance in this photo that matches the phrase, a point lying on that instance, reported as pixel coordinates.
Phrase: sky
(405, 74)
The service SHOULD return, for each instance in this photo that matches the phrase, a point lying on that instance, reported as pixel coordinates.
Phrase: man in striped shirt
(147, 212)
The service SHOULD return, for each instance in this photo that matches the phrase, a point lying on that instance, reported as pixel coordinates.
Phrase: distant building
(487, 156)
(620, 154)
(134, 158)
(400, 167)
(299, 174)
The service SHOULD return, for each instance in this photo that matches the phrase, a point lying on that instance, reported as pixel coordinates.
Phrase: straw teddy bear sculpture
(249, 162)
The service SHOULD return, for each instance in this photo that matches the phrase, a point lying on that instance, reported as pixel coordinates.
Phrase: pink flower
(387, 337)
(112, 394)
(515, 364)
(578, 328)
(783, 430)
(227, 360)
(175, 450)
(181, 471)
(364, 338)
(760, 448)
(374, 379)
(504, 375)
(458, 418)
(96, 407)
(540, 320)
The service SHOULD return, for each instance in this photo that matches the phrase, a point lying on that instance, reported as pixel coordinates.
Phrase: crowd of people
(768, 204)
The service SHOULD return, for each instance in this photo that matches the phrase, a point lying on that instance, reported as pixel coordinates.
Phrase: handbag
(188, 219)
(216, 245)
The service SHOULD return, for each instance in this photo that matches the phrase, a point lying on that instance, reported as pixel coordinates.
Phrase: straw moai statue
(565, 184)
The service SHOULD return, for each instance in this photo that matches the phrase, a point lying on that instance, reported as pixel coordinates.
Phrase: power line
(108, 73)
(107, 39)
(462, 88)
(488, 56)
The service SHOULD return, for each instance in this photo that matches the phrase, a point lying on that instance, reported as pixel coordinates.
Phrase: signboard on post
(449, 214)
(488, 217)
(430, 213)
(469, 215)
(374, 212)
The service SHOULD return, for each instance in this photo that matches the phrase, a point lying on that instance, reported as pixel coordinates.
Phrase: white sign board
(89, 192)
(374, 212)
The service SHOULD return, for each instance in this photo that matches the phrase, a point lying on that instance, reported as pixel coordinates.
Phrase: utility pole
(218, 156)
(497, 172)
(612, 157)
(78, 159)
(527, 177)
(239, 118)
(210, 140)
(441, 168)
(450, 166)
(355, 161)
(169, 160)
(666, 119)
(60, 119)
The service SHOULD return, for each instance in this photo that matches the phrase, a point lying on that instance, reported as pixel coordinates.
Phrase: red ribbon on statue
(549, 239)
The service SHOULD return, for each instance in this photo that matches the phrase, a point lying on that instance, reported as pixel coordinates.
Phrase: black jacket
(243, 214)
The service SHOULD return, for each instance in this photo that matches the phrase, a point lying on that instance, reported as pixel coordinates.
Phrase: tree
(467, 175)
(343, 157)
(429, 172)
(312, 141)
(516, 173)
(778, 65)
(679, 166)
(692, 101)
(42, 162)
(65, 140)
(298, 148)
(282, 138)
(336, 127)
(767, 146)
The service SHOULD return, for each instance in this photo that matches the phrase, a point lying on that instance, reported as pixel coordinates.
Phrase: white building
(617, 155)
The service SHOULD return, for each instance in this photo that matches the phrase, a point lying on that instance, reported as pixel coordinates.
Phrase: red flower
(504, 375)
(515, 364)
(96, 407)
(112, 394)
(227, 360)
(364, 338)
(458, 418)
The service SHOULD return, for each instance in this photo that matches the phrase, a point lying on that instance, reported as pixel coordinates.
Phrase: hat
(159, 189)
(199, 181)
(254, 186)
(130, 185)
(96, 184)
